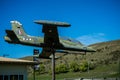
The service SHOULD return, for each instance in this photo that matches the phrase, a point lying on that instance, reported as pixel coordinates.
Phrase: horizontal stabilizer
(11, 34)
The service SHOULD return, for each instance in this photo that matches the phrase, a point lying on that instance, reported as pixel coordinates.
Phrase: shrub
(42, 68)
(84, 66)
(92, 65)
(74, 67)
(61, 68)
(50, 71)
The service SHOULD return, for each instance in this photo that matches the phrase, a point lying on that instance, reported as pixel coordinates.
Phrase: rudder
(17, 28)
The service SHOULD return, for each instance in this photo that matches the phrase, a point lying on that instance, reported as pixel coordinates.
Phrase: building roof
(4, 60)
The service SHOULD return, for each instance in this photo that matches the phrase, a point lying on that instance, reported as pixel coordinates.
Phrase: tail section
(17, 32)
(17, 28)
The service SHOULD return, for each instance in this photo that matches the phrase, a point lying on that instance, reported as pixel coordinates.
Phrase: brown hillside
(104, 51)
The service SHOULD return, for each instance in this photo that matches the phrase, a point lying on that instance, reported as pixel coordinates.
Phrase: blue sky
(91, 21)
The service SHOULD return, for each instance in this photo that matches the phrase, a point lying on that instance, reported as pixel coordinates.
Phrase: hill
(106, 60)
(106, 52)
(103, 51)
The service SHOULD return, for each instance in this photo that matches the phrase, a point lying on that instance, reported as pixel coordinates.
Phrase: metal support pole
(34, 74)
(119, 67)
(88, 66)
(53, 65)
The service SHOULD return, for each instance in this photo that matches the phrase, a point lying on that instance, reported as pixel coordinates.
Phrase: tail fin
(17, 28)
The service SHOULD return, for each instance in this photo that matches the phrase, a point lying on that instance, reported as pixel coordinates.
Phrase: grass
(103, 71)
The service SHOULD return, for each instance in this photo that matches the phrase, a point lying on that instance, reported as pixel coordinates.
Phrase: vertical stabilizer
(17, 28)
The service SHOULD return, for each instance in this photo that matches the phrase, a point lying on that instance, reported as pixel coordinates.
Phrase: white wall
(13, 69)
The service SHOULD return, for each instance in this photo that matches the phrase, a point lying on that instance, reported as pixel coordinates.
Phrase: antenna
(4, 55)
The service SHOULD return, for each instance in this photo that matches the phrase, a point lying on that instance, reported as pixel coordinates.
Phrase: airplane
(51, 41)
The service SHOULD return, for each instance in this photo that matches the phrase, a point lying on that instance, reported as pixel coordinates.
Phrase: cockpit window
(71, 40)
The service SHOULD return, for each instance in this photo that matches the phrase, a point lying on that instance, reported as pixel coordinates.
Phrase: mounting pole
(53, 66)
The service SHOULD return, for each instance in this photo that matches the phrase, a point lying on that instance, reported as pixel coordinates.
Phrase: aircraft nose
(91, 49)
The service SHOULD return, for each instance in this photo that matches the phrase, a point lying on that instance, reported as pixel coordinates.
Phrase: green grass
(72, 75)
